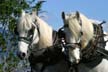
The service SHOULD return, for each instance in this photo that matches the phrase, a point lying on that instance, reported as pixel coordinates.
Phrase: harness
(64, 44)
(29, 38)
(95, 49)
(51, 55)
(96, 46)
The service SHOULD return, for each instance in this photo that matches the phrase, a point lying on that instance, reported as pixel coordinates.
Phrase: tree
(9, 13)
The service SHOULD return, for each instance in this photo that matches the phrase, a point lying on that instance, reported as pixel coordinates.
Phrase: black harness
(30, 35)
(95, 49)
(50, 55)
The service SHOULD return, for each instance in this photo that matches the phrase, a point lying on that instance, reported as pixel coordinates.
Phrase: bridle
(95, 49)
(29, 39)
(67, 45)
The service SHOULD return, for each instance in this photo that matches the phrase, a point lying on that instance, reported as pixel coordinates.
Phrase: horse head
(28, 34)
(79, 31)
(33, 33)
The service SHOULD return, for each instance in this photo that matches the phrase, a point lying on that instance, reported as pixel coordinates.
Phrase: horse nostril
(23, 54)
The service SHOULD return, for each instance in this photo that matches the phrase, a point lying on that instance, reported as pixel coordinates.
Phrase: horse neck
(45, 39)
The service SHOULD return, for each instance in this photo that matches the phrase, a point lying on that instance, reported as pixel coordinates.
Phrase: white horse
(79, 33)
(43, 36)
(37, 34)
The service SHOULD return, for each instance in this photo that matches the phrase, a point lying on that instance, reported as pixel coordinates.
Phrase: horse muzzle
(77, 61)
(22, 55)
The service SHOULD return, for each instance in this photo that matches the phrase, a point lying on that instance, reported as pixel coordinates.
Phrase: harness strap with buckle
(96, 47)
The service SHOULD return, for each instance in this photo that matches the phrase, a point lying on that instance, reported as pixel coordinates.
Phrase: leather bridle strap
(24, 39)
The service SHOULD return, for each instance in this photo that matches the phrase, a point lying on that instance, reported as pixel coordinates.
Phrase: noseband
(30, 36)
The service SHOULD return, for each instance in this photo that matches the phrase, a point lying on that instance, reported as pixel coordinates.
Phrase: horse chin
(77, 61)
(74, 61)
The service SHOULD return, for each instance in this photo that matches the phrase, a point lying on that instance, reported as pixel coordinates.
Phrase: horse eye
(81, 33)
(31, 31)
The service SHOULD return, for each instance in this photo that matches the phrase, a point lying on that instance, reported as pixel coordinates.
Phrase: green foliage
(9, 13)
(38, 6)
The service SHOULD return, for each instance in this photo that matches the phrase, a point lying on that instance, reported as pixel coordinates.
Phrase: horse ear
(63, 15)
(34, 13)
(77, 15)
(22, 13)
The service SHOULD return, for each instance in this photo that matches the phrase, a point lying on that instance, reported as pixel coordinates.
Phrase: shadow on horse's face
(27, 35)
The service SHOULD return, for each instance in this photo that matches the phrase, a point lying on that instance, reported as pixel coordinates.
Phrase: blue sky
(95, 9)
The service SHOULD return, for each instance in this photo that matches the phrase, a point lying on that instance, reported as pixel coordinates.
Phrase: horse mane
(24, 22)
(76, 28)
(45, 39)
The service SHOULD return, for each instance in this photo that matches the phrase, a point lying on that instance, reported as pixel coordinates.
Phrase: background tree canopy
(9, 13)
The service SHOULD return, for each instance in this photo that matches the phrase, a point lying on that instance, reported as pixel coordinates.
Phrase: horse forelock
(45, 33)
(24, 23)
(75, 28)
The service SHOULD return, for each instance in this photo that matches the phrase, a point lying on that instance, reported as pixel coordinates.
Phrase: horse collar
(92, 51)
